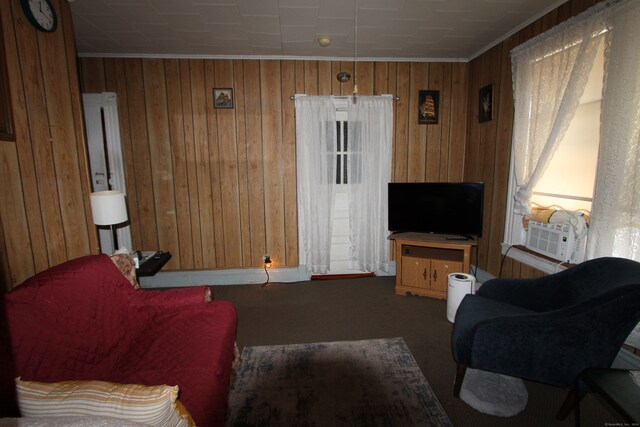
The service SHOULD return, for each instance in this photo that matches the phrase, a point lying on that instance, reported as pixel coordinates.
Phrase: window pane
(346, 135)
(345, 174)
(572, 170)
(338, 169)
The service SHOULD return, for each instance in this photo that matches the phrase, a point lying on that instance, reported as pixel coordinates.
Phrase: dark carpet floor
(367, 308)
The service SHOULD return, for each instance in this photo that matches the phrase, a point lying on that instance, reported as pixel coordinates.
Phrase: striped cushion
(152, 405)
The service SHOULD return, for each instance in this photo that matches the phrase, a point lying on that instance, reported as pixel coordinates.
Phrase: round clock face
(41, 14)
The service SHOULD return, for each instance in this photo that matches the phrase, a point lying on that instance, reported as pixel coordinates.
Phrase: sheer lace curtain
(370, 155)
(550, 73)
(315, 151)
(615, 222)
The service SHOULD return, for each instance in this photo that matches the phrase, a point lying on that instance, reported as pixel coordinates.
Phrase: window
(555, 74)
(569, 179)
(342, 140)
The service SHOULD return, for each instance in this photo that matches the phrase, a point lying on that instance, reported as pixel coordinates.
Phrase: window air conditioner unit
(557, 241)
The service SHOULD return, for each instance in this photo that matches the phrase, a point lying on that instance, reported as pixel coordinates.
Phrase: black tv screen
(452, 208)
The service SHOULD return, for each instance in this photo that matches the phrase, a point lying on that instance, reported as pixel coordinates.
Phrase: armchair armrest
(175, 297)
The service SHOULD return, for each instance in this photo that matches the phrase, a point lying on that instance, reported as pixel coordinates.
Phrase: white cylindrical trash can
(460, 284)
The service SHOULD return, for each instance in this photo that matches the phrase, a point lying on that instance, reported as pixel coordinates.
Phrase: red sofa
(83, 320)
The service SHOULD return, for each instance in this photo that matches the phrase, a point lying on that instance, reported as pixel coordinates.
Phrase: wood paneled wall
(217, 187)
(45, 216)
(488, 144)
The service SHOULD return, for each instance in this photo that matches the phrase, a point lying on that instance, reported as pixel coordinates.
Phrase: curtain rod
(395, 98)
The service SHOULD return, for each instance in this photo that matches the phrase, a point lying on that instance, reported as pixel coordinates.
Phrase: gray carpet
(356, 383)
(359, 309)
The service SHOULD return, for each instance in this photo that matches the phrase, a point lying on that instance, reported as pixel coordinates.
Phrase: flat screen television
(451, 208)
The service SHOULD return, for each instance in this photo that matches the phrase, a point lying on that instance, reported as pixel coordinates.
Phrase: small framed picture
(428, 106)
(222, 98)
(486, 103)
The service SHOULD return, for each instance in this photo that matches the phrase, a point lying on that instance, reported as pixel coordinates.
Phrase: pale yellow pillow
(153, 405)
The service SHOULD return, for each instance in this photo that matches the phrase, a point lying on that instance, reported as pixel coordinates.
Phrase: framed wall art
(486, 103)
(223, 98)
(428, 106)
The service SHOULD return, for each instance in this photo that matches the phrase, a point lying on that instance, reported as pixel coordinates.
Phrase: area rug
(494, 394)
(357, 383)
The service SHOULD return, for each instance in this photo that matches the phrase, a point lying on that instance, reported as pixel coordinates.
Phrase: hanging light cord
(355, 51)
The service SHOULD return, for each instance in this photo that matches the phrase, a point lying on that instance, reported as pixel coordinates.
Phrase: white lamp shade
(108, 207)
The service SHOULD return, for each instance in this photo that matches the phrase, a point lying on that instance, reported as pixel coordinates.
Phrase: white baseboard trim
(240, 276)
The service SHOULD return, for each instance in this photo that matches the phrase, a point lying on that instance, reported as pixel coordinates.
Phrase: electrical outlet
(266, 260)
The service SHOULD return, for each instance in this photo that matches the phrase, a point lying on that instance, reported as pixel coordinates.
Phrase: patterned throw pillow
(125, 264)
(152, 405)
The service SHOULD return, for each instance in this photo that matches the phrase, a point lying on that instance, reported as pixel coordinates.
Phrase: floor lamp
(109, 208)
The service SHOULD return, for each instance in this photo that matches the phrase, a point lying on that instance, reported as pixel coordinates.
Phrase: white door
(105, 156)
(340, 243)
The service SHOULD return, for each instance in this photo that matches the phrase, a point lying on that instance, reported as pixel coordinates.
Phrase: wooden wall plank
(271, 107)
(311, 77)
(381, 78)
(401, 151)
(324, 78)
(77, 115)
(179, 164)
(33, 180)
(199, 98)
(214, 165)
(434, 132)
(445, 122)
(13, 214)
(93, 78)
(162, 182)
(365, 78)
(140, 142)
(254, 159)
(458, 123)
(243, 174)
(128, 156)
(229, 181)
(43, 149)
(417, 150)
(44, 171)
(193, 175)
(290, 207)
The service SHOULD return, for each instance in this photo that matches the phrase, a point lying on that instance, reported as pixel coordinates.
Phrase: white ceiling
(386, 29)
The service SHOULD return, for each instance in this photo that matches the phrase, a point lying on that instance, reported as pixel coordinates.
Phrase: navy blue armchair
(551, 328)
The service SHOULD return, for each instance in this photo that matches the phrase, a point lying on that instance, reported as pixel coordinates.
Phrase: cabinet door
(416, 272)
(440, 271)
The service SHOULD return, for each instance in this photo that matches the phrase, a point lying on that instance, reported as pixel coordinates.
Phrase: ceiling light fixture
(343, 76)
(324, 41)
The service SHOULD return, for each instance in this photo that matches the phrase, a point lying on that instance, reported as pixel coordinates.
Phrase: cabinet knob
(424, 274)
(435, 274)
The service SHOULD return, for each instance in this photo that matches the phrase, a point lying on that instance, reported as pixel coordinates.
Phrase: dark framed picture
(486, 103)
(428, 106)
(223, 98)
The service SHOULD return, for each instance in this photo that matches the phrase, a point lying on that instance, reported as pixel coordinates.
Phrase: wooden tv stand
(424, 262)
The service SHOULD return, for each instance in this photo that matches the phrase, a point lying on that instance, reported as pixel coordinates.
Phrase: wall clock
(41, 14)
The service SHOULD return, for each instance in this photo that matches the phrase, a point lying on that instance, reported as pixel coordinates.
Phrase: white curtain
(615, 221)
(550, 73)
(315, 152)
(369, 172)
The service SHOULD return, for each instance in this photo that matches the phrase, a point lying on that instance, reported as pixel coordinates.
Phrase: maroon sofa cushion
(83, 320)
